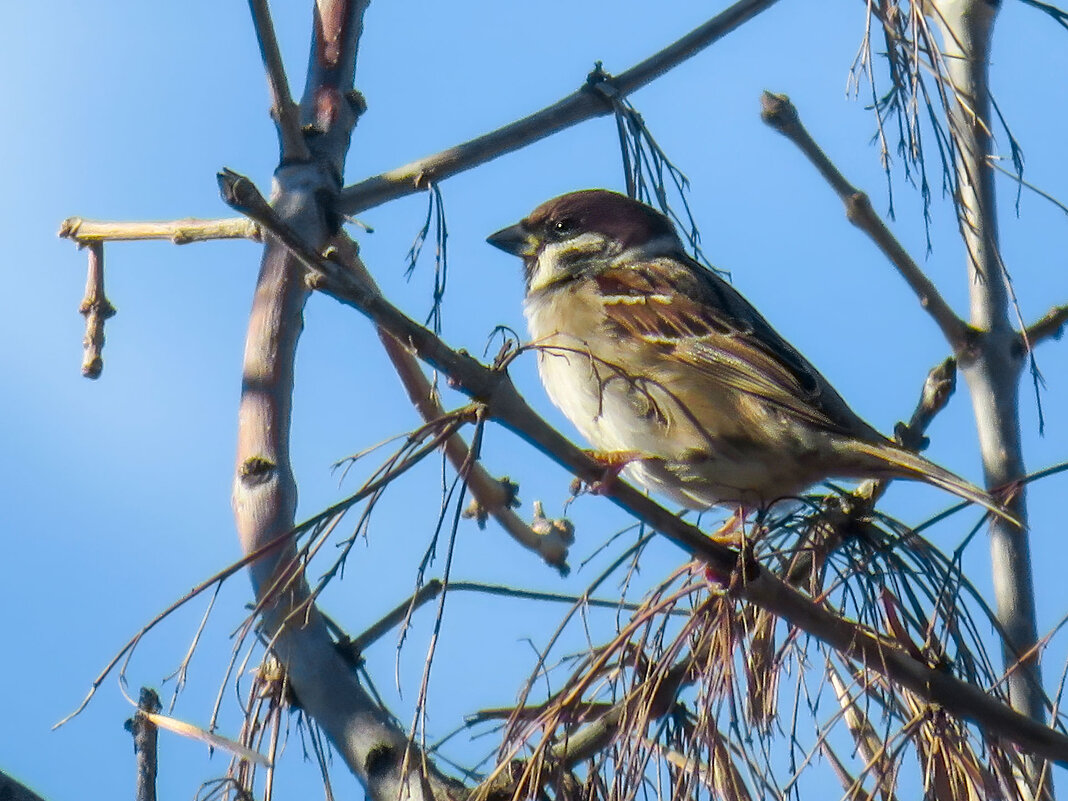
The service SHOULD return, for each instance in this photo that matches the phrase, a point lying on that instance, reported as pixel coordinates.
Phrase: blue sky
(117, 491)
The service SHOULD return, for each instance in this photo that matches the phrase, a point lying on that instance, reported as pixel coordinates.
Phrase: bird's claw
(613, 463)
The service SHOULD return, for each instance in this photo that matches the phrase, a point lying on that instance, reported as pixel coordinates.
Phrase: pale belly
(699, 457)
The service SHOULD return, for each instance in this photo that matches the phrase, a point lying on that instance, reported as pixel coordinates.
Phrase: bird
(674, 377)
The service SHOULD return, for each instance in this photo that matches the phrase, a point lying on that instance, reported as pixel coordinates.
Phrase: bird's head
(582, 233)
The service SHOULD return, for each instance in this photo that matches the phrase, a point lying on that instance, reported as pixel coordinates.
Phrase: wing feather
(709, 325)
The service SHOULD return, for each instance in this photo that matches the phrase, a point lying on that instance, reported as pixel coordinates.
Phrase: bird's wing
(709, 325)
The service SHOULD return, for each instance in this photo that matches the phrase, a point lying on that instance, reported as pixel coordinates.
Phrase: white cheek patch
(560, 261)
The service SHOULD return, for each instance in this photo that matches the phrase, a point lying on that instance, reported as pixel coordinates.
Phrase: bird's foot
(731, 534)
(613, 463)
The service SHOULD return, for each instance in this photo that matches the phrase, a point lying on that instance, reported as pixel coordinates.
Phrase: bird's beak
(515, 240)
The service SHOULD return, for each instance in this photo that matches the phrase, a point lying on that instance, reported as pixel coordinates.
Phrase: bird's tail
(909, 465)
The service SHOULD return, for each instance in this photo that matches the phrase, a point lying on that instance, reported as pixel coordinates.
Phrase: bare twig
(778, 112)
(433, 588)
(494, 497)
(285, 112)
(839, 517)
(1050, 326)
(587, 103)
(180, 232)
(755, 584)
(96, 308)
(993, 162)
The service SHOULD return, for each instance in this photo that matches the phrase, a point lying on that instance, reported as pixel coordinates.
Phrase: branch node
(477, 511)
(145, 737)
(68, 229)
(560, 527)
(380, 760)
(599, 82)
(96, 308)
(256, 470)
(858, 208)
(357, 102)
(778, 112)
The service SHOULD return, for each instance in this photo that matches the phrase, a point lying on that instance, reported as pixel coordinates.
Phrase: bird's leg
(613, 463)
(731, 534)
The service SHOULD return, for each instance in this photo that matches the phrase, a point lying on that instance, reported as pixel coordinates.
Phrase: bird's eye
(563, 227)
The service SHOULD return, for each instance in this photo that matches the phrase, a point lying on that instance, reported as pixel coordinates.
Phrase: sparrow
(668, 371)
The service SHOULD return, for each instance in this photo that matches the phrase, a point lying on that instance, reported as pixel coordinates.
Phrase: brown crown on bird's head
(618, 219)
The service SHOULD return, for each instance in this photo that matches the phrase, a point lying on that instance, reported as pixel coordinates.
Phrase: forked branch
(595, 99)
(778, 112)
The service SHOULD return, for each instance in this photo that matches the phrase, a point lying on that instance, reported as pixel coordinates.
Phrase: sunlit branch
(592, 100)
(96, 308)
(778, 112)
(285, 112)
(491, 495)
(180, 232)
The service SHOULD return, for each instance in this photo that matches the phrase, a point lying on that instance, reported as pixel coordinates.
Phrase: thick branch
(993, 376)
(592, 100)
(146, 737)
(778, 112)
(11, 790)
(374, 747)
(757, 585)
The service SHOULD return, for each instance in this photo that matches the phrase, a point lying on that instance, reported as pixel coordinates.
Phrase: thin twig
(778, 112)
(577, 107)
(993, 162)
(96, 308)
(1049, 326)
(432, 588)
(494, 497)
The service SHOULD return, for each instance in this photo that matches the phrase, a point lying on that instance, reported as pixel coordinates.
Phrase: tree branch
(756, 585)
(371, 743)
(11, 790)
(492, 496)
(778, 112)
(284, 111)
(594, 99)
(96, 308)
(993, 376)
(180, 232)
(1050, 326)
